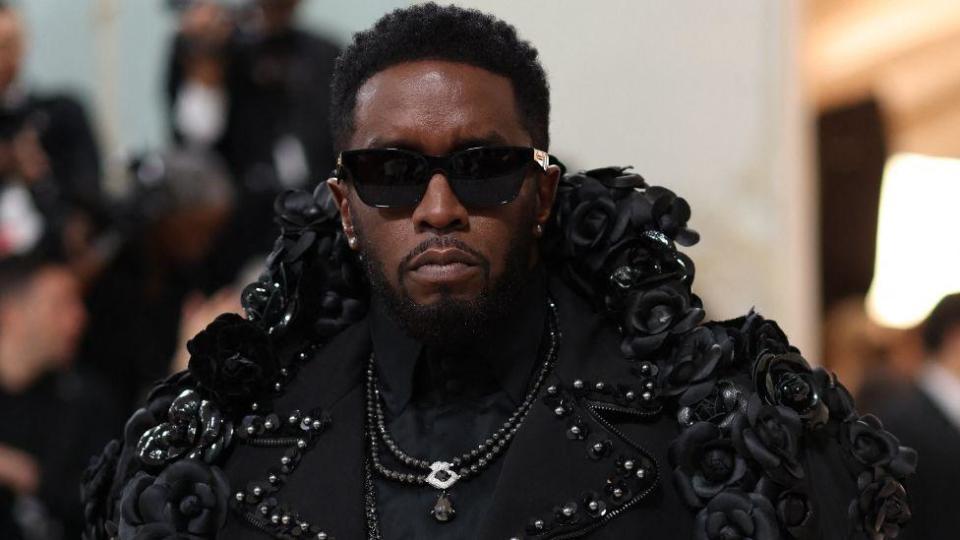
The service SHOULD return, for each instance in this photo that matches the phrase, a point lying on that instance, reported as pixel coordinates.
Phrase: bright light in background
(918, 239)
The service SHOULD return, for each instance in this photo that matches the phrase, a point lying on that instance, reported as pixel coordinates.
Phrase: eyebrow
(491, 138)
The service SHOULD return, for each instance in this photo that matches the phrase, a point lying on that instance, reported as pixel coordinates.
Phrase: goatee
(451, 324)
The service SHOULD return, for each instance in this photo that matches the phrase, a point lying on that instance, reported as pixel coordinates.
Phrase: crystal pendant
(443, 510)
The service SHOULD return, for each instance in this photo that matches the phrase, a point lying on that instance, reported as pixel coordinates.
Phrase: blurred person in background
(246, 83)
(49, 166)
(138, 303)
(872, 360)
(50, 415)
(926, 416)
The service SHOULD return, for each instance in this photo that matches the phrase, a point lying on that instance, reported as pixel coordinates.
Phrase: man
(248, 84)
(50, 415)
(927, 416)
(137, 303)
(459, 343)
(49, 160)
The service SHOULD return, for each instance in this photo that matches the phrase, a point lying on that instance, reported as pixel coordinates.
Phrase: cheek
(385, 238)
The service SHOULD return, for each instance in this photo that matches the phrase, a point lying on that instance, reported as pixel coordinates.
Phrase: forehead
(434, 106)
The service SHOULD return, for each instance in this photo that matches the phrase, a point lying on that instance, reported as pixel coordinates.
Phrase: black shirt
(438, 407)
(61, 420)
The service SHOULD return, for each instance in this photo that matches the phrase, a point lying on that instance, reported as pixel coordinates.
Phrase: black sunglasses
(480, 177)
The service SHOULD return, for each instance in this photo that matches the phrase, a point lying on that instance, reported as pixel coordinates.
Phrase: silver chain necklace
(443, 474)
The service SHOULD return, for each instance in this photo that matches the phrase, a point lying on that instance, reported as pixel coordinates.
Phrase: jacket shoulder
(764, 432)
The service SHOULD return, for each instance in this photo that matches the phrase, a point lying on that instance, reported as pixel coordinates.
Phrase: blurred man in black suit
(927, 417)
(50, 415)
(49, 160)
(248, 84)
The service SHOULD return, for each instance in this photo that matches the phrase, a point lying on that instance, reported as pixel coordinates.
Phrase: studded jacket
(651, 423)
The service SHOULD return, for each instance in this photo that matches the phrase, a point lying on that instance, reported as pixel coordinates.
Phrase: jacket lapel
(326, 489)
(585, 455)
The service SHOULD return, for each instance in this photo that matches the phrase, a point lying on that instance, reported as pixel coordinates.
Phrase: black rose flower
(594, 222)
(770, 436)
(720, 406)
(188, 500)
(95, 489)
(232, 359)
(871, 445)
(152, 414)
(653, 314)
(669, 215)
(786, 379)
(757, 336)
(881, 508)
(705, 463)
(690, 371)
(733, 515)
(194, 429)
(617, 178)
(298, 211)
(271, 301)
(795, 513)
(837, 399)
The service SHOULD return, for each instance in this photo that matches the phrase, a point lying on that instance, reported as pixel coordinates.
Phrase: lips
(442, 257)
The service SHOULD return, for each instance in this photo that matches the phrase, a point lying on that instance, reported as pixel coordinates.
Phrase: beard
(450, 323)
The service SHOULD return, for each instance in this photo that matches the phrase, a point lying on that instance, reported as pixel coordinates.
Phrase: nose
(440, 210)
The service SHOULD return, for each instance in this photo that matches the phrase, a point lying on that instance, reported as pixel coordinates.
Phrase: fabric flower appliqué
(233, 360)
(787, 380)
(652, 315)
(734, 515)
(194, 429)
(770, 436)
(188, 500)
(705, 463)
(881, 509)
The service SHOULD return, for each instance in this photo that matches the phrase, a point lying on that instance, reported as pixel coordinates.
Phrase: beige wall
(702, 97)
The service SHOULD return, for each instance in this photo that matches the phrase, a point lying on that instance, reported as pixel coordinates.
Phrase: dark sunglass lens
(489, 176)
(386, 178)
(479, 163)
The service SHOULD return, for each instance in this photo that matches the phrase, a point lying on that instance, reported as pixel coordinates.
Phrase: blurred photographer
(140, 301)
(249, 85)
(49, 164)
(45, 403)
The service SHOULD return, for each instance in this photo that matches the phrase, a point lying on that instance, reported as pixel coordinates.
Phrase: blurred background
(818, 142)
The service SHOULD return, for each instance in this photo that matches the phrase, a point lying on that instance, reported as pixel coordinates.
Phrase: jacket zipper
(592, 407)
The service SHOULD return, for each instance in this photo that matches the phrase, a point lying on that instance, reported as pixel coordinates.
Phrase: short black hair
(944, 318)
(432, 32)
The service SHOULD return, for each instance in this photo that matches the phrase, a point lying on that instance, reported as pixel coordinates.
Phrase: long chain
(467, 464)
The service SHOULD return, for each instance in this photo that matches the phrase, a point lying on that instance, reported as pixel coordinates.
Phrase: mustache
(441, 242)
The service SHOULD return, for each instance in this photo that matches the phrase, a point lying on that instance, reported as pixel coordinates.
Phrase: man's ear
(340, 190)
(546, 194)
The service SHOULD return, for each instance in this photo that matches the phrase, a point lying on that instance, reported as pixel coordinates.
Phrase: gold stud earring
(352, 242)
(539, 230)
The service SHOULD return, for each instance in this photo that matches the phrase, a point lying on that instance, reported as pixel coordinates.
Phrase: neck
(19, 366)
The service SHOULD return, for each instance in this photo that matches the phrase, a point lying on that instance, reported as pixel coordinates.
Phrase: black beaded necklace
(442, 474)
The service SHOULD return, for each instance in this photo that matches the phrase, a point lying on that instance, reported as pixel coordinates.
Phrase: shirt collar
(943, 388)
(505, 357)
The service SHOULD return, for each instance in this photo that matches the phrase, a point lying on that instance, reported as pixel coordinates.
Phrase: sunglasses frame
(436, 164)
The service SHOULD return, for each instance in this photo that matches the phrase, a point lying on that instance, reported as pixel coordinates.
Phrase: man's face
(49, 315)
(442, 250)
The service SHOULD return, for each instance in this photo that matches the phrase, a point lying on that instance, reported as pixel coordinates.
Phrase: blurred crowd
(99, 293)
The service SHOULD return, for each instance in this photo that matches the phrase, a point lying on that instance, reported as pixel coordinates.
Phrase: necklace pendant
(442, 475)
(443, 510)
